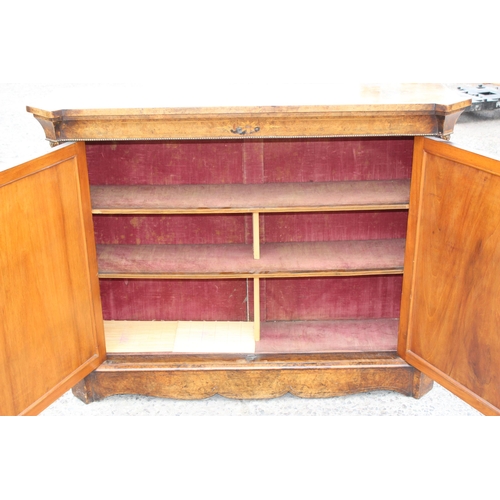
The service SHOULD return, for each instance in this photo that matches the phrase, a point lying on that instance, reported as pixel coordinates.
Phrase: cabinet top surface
(273, 99)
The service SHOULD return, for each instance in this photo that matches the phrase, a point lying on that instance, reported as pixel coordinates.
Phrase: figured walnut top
(255, 99)
(247, 111)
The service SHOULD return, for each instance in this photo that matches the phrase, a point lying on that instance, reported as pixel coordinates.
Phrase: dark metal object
(247, 130)
(484, 97)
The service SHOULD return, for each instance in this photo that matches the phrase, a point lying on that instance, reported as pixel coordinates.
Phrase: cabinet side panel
(51, 330)
(454, 317)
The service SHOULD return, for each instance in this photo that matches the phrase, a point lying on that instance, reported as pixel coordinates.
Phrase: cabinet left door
(51, 328)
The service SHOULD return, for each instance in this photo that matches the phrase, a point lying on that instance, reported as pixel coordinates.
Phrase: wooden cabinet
(251, 252)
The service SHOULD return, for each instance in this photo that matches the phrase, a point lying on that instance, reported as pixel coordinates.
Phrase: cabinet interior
(181, 267)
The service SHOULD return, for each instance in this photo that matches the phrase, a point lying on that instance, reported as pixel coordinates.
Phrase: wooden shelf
(245, 198)
(179, 336)
(327, 258)
(352, 335)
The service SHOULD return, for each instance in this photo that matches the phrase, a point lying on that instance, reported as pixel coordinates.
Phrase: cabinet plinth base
(251, 376)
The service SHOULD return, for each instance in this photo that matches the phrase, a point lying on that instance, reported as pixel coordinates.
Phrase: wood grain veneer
(449, 328)
(51, 331)
(253, 376)
(397, 110)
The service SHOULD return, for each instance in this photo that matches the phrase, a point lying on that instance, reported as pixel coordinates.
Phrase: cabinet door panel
(51, 332)
(450, 320)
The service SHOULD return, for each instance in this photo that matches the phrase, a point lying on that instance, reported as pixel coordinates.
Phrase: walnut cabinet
(250, 252)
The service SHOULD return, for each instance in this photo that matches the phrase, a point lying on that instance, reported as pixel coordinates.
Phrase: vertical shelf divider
(256, 282)
(256, 309)
(256, 235)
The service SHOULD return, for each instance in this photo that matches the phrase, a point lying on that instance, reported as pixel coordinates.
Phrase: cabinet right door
(450, 315)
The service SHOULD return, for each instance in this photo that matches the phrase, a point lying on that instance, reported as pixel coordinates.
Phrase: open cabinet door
(450, 318)
(51, 329)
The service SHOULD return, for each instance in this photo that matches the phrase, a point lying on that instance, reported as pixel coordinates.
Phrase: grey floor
(22, 139)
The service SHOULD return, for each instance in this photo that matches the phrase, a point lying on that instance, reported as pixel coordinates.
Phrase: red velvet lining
(250, 162)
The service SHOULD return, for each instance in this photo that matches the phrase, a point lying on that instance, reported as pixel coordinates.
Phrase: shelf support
(256, 233)
(256, 309)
